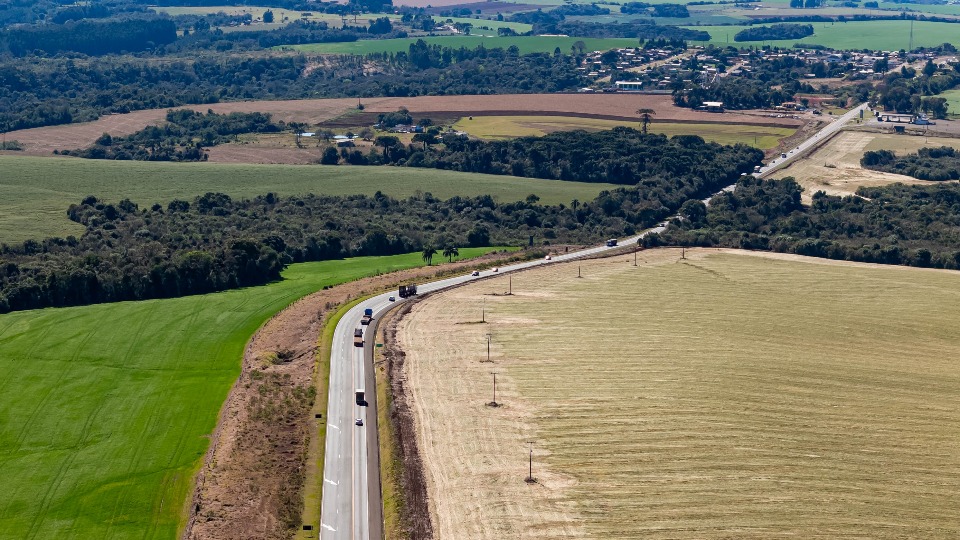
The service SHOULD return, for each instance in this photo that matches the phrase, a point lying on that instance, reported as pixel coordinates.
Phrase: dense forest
(48, 91)
(89, 36)
(776, 31)
(895, 224)
(941, 163)
(215, 243)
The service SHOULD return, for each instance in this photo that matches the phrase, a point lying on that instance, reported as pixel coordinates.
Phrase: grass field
(953, 102)
(526, 44)
(877, 35)
(728, 395)
(505, 127)
(106, 409)
(35, 192)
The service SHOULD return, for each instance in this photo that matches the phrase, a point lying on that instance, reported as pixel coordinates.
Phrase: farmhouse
(712, 106)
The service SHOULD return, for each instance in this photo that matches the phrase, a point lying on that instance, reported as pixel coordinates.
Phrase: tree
(645, 118)
(428, 253)
(268, 16)
(298, 128)
(929, 68)
(330, 156)
(450, 252)
(578, 47)
(365, 133)
(386, 142)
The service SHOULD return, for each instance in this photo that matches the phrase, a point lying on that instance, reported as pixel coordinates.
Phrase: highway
(351, 507)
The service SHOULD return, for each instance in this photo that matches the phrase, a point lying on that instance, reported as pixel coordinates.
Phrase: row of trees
(941, 163)
(895, 224)
(775, 31)
(181, 138)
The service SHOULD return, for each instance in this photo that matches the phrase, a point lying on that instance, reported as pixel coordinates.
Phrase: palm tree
(428, 253)
(450, 252)
(645, 119)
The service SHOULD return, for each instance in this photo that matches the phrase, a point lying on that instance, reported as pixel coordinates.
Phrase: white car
(495, 269)
(547, 258)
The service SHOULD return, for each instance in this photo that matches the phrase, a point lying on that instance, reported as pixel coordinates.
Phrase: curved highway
(351, 485)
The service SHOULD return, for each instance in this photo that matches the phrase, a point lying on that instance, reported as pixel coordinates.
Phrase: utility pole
(635, 256)
(683, 253)
(494, 402)
(530, 479)
(578, 271)
(488, 348)
(510, 292)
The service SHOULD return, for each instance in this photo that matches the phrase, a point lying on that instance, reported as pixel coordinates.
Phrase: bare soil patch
(251, 482)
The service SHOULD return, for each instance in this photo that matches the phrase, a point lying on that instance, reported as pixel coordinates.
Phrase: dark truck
(367, 316)
(407, 291)
(358, 337)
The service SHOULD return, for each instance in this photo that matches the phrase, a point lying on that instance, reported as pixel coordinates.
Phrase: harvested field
(43, 141)
(835, 167)
(505, 127)
(728, 395)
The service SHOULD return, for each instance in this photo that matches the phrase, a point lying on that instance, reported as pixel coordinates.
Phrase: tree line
(942, 163)
(181, 138)
(894, 224)
(48, 91)
(775, 31)
(89, 36)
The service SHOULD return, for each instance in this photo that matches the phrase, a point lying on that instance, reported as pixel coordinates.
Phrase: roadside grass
(875, 35)
(505, 127)
(35, 192)
(106, 409)
(390, 463)
(725, 395)
(526, 44)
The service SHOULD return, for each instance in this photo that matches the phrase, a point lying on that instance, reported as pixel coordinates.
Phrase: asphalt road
(825, 133)
(351, 495)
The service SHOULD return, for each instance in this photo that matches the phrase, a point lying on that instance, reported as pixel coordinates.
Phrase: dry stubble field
(730, 395)
(835, 167)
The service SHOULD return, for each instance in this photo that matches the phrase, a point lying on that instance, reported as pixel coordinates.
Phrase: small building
(712, 106)
(629, 86)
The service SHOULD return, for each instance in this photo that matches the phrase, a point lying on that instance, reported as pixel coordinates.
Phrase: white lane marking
(334, 427)
(327, 527)
(329, 481)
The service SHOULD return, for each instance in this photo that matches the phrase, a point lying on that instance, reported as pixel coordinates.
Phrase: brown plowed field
(43, 141)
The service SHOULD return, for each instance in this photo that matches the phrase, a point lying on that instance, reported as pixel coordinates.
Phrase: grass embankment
(505, 127)
(526, 44)
(726, 395)
(390, 464)
(35, 192)
(106, 409)
(874, 35)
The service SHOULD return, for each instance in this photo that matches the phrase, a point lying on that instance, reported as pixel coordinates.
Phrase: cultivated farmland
(727, 395)
(37, 191)
(505, 127)
(835, 167)
(107, 408)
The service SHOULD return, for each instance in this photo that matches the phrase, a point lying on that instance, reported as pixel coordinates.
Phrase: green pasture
(953, 102)
(35, 192)
(875, 35)
(493, 25)
(526, 44)
(106, 409)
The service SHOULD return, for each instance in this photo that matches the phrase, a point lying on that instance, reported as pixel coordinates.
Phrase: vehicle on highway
(407, 290)
(358, 337)
(783, 155)
(495, 269)
(359, 422)
(475, 273)
(547, 258)
(392, 299)
(612, 242)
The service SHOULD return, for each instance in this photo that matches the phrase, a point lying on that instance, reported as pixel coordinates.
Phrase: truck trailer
(358, 337)
(367, 316)
(407, 290)
(360, 400)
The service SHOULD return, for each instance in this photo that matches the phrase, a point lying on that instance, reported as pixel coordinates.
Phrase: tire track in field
(61, 473)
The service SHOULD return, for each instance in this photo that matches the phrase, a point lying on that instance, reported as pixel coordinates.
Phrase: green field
(106, 409)
(505, 127)
(876, 35)
(953, 102)
(526, 44)
(35, 192)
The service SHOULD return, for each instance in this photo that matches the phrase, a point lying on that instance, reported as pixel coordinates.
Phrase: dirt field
(835, 167)
(692, 399)
(43, 141)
